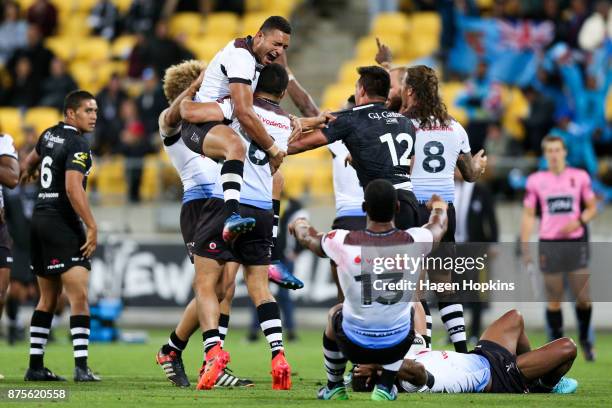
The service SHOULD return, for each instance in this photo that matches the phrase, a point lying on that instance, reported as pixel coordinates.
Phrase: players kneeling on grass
(61, 249)
(501, 362)
(361, 329)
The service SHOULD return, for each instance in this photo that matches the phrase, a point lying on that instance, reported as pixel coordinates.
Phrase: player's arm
(472, 167)
(9, 171)
(29, 166)
(438, 220)
(307, 141)
(78, 199)
(199, 112)
(173, 114)
(307, 236)
(300, 96)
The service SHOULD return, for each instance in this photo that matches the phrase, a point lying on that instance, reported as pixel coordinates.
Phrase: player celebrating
(559, 194)
(380, 141)
(234, 72)
(361, 329)
(441, 143)
(61, 249)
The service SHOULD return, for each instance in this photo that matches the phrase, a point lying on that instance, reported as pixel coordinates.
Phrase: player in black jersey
(379, 140)
(61, 248)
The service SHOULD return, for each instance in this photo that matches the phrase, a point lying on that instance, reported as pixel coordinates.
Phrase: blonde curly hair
(178, 77)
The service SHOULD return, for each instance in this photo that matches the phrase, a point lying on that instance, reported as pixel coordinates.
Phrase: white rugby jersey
(234, 63)
(367, 322)
(7, 148)
(256, 187)
(454, 372)
(347, 191)
(435, 156)
(198, 173)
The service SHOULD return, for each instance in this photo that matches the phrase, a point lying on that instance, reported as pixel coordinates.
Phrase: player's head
(81, 110)
(272, 39)
(373, 85)
(394, 101)
(380, 201)
(554, 151)
(273, 80)
(178, 77)
(421, 98)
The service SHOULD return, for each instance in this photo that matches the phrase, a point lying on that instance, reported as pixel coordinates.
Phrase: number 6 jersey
(61, 148)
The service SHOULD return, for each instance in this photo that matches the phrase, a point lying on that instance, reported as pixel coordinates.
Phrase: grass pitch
(131, 378)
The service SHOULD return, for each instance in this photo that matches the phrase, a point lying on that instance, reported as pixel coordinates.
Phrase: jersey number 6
(45, 172)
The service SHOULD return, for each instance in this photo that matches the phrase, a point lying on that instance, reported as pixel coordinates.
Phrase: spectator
(142, 15)
(540, 119)
(151, 102)
(135, 60)
(161, 51)
(578, 13)
(40, 57)
(13, 32)
(44, 15)
(104, 19)
(24, 91)
(109, 125)
(134, 146)
(597, 28)
(57, 86)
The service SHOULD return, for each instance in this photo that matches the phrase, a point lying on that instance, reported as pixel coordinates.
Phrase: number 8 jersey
(435, 156)
(61, 148)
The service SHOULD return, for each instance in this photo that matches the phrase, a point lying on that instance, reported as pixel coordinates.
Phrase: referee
(60, 246)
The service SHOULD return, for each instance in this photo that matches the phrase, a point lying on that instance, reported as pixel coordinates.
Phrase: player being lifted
(233, 73)
(566, 202)
(61, 248)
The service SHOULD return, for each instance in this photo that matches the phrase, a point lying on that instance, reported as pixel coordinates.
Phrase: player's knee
(78, 298)
(568, 348)
(235, 149)
(516, 318)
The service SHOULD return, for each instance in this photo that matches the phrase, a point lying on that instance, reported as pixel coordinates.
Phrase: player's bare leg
(509, 332)
(5, 274)
(50, 288)
(268, 313)
(580, 287)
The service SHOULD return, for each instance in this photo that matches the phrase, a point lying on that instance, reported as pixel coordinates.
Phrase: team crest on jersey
(80, 158)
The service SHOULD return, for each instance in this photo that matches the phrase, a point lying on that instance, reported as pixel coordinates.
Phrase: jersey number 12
(402, 137)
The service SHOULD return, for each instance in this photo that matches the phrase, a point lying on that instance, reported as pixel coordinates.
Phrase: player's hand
(348, 160)
(195, 85)
(277, 160)
(301, 222)
(480, 162)
(436, 202)
(570, 227)
(383, 56)
(89, 247)
(26, 177)
(325, 117)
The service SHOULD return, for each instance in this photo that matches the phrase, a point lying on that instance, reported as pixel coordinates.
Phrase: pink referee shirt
(559, 198)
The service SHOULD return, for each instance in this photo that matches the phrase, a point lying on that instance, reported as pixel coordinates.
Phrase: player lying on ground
(362, 329)
(234, 72)
(501, 362)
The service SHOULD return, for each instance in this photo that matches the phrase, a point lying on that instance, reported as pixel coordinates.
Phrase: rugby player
(361, 329)
(559, 194)
(441, 143)
(380, 141)
(61, 248)
(198, 176)
(501, 362)
(234, 72)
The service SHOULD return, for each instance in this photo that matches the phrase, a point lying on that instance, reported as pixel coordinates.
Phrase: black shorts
(424, 214)
(20, 270)
(193, 134)
(251, 248)
(408, 215)
(361, 355)
(6, 256)
(190, 215)
(560, 256)
(505, 374)
(350, 223)
(56, 245)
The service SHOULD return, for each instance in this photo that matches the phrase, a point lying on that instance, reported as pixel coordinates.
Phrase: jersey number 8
(433, 154)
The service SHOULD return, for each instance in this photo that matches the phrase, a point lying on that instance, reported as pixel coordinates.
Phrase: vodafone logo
(357, 259)
(212, 245)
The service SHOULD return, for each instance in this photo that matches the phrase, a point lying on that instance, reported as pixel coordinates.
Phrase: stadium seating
(251, 23)
(205, 47)
(73, 24)
(186, 23)
(63, 47)
(449, 92)
(41, 118)
(93, 49)
(335, 96)
(389, 23)
(222, 24)
(10, 122)
(122, 46)
(91, 76)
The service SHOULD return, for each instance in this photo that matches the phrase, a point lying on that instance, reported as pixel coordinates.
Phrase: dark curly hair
(429, 109)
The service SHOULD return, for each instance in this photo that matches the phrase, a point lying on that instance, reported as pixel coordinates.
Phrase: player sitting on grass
(502, 362)
(367, 329)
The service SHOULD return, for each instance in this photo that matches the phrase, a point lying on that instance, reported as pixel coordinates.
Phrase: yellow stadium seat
(111, 176)
(123, 5)
(322, 183)
(186, 23)
(149, 185)
(335, 96)
(389, 23)
(93, 49)
(366, 48)
(278, 7)
(222, 24)
(426, 22)
(42, 118)
(10, 122)
(485, 4)
(395, 42)
(517, 107)
(252, 6)
(252, 22)
(122, 46)
(348, 73)
(296, 177)
(25, 4)
(81, 5)
(73, 25)
(205, 47)
(449, 92)
(91, 76)
(609, 106)
(420, 45)
(64, 47)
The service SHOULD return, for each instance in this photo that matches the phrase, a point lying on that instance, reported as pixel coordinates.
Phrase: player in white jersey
(367, 328)
(440, 144)
(198, 176)
(234, 72)
(501, 362)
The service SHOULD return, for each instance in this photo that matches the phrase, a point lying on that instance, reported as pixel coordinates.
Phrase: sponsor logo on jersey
(560, 204)
(80, 158)
(270, 122)
(43, 196)
(55, 264)
(51, 139)
(212, 248)
(384, 115)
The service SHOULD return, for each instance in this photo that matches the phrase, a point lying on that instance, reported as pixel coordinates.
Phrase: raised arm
(472, 167)
(307, 141)
(438, 220)
(307, 236)
(173, 115)
(199, 112)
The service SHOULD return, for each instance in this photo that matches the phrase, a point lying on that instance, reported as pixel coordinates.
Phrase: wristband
(439, 205)
(273, 150)
(291, 77)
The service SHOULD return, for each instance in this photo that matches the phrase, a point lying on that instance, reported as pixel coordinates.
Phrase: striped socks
(276, 255)
(428, 323)
(335, 362)
(174, 344)
(79, 330)
(268, 315)
(211, 338)
(223, 324)
(39, 333)
(231, 181)
(452, 317)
